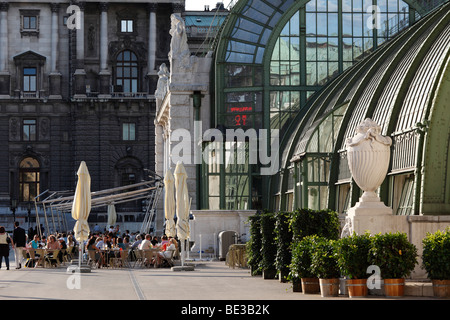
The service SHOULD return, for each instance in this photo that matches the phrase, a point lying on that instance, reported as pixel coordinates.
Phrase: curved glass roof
(393, 86)
(252, 29)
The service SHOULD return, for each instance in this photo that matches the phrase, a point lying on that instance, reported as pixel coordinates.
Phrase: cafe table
(149, 254)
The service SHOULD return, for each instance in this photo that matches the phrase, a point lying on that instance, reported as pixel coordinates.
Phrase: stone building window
(126, 26)
(127, 79)
(29, 80)
(29, 179)
(29, 22)
(29, 130)
(129, 131)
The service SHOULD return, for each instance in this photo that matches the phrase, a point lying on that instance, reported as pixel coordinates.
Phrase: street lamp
(13, 209)
(29, 214)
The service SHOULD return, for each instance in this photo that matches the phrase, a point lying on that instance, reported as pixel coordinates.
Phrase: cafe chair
(139, 258)
(51, 259)
(168, 261)
(92, 262)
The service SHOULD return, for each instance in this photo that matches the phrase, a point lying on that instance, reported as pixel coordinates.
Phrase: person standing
(5, 241)
(20, 241)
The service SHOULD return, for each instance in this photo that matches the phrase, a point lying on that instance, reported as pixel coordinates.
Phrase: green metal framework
(401, 87)
(272, 56)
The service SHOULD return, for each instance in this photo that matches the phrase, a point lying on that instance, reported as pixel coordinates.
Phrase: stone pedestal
(80, 83)
(5, 84)
(105, 84)
(55, 85)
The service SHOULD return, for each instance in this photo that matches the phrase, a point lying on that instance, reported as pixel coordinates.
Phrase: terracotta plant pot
(357, 288)
(329, 287)
(394, 287)
(310, 285)
(296, 285)
(269, 274)
(441, 288)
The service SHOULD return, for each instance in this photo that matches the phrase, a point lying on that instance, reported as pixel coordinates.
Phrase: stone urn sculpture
(368, 154)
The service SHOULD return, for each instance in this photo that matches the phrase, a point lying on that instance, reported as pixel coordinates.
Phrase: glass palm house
(313, 70)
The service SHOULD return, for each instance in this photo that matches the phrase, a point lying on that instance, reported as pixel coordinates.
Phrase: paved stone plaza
(211, 280)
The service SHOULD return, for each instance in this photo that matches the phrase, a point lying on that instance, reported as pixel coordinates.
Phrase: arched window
(127, 79)
(29, 179)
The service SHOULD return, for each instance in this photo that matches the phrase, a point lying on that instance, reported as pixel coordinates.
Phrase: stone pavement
(210, 280)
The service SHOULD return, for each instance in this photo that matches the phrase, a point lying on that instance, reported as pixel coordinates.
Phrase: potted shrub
(283, 238)
(268, 246)
(253, 246)
(396, 257)
(301, 265)
(324, 266)
(353, 260)
(436, 261)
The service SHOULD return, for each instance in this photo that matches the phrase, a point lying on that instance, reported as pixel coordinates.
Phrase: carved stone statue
(179, 54)
(163, 82)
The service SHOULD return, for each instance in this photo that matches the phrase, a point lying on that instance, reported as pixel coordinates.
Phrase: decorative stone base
(183, 268)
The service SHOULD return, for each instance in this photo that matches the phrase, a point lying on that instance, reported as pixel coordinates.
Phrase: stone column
(152, 37)
(55, 75)
(105, 74)
(80, 73)
(4, 70)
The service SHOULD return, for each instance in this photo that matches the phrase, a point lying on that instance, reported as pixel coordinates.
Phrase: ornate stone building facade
(77, 83)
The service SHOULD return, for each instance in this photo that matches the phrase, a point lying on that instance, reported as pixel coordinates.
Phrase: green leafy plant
(324, 259)
(353, 255)
(301, 258)
(436, 255)
(268, 244)
(253, 246)
(283, 238)
(306, 222)
(393, 254)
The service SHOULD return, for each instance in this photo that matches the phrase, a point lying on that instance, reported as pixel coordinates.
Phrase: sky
(200, 4)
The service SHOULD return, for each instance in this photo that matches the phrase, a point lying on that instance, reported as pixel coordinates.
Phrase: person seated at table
(137, 243)
(155, 241)
(120, 244)
(34, 244)
(164, 242)
(146, 243)
(126, 242)
(52, 244)
(90, 246)
(167, 252)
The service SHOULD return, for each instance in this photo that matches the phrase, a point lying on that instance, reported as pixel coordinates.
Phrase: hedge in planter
(396, 257)
(284, 241)
(393, 254)
(353, 261)
(436, 261)
(324, 265)
(268, 245)
(253, 247)
(300, 267)
(307, 222)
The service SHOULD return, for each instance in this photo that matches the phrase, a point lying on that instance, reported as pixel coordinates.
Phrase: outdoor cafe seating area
(102, 251)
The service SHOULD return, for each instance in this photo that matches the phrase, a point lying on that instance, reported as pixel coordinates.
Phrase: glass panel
(29, 71)
(323, 197)
(310, 23)
(125, 132)
(332, 24)
(313, 198)
(214, 185)
(357, 25)
(295, 24)
(130, 25)
(311, 47)
(322, 25)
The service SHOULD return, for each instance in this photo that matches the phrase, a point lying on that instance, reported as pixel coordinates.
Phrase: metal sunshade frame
(61, 202)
